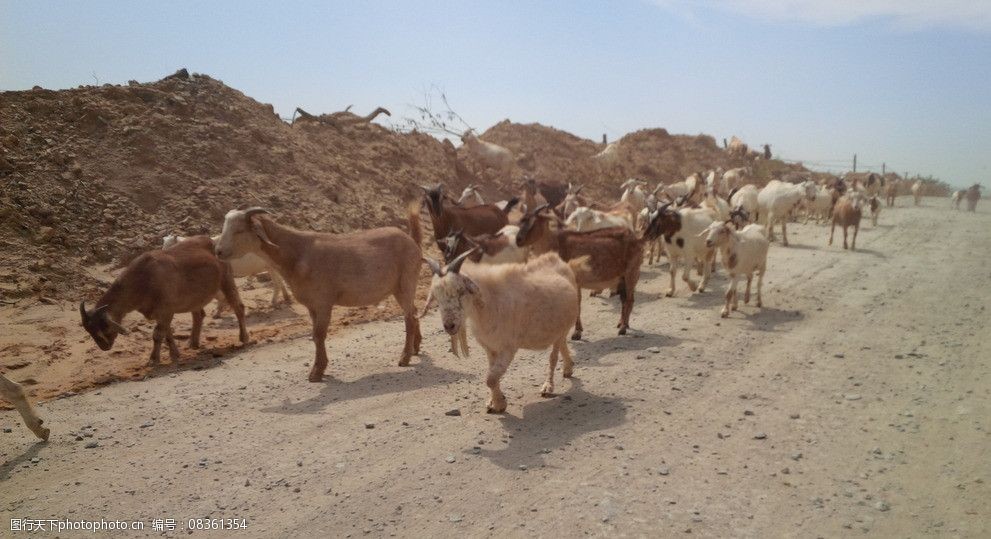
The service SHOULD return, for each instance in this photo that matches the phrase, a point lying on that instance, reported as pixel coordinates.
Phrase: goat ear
(259, 230)
(470, 286)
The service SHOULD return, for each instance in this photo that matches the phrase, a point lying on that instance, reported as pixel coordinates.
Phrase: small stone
(760, 436)
(450, 459)
(247, 482)
(881, 506)
(794, 416)
(453, 413)
(653, 350)
(7, 430)
(295, 489)
(369, 425)
(839, 356)
(455, 518)
(663, 470)
(852, 397)
(92, 445)
(522, 467)
(35, 460)
(147, 424)
(748, 412)
(796, 455)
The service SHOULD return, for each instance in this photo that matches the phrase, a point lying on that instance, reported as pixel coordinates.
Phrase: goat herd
(519, 284)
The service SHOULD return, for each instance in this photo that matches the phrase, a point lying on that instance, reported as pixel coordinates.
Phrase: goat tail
(510, 205)
(414, 221)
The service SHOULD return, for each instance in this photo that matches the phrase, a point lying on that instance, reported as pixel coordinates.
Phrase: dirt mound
(653, 155)
(98, 174)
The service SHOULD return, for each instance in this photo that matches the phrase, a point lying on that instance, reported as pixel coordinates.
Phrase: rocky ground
(855, 403)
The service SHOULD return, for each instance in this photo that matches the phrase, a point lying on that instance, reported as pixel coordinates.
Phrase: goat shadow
(590, 353)
(421, 375)
(767, 319)
(553, 423)
(26, 456)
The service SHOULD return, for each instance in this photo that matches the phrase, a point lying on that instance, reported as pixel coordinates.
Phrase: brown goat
(11, 391)
(474, 221)
(890, 192)
(323, 270)
(159, 284)
(615, 255)
(537, 193)
(846, 213)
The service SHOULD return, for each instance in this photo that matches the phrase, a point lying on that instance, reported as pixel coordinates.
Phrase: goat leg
(760, 285)
(577, 335)
(547, 390)
(746, 295)
(194, 334)
(320, 322)
(498, 363)
(568, 365)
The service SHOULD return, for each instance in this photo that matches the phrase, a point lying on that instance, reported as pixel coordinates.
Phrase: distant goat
(488, 154)
(973, 195)
(846, 213)
(917, 191)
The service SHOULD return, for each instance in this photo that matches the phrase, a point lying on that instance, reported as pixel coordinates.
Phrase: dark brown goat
(536, 193)
(488, 248)
(159, 284)
(474, 221)
(615, 255)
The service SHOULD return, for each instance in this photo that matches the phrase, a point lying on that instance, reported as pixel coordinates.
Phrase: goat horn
(120, 329)
(425, 188)
(254, 211)
(455, 265)
(434, 266)
(540, 208)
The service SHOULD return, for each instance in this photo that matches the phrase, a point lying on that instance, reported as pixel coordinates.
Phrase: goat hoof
(404, 362)
(669, 293)
(759, 304)
(576, 336)
(495, 409)
(724, 314)
(567, 373)
(315, 377)
(547, 390)
(622, 331)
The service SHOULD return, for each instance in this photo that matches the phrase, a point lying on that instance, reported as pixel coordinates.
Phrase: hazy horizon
(901, 83)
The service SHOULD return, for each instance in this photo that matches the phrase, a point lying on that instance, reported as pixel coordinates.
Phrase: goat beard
(460, 339)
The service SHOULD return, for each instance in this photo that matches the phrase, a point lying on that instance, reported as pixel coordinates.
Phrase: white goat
(681, 230)
(917, 192)
(585, 218)
(743, 253)
(470, 197)
(735, 177)
(245, 266)
(488, 154)
(776, 200)
(633, 194)
(821, 207)
(609, 155)
(746, 197)
(510, 306)
(12, 392)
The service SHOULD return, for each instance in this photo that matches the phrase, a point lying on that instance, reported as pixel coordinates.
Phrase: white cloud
(907, 14)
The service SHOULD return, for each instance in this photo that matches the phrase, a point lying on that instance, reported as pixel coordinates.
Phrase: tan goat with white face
(510, 306)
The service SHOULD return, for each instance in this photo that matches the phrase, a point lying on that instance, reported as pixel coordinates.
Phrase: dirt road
(855, 403)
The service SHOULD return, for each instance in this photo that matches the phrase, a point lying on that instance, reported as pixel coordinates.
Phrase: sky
(906, 83)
